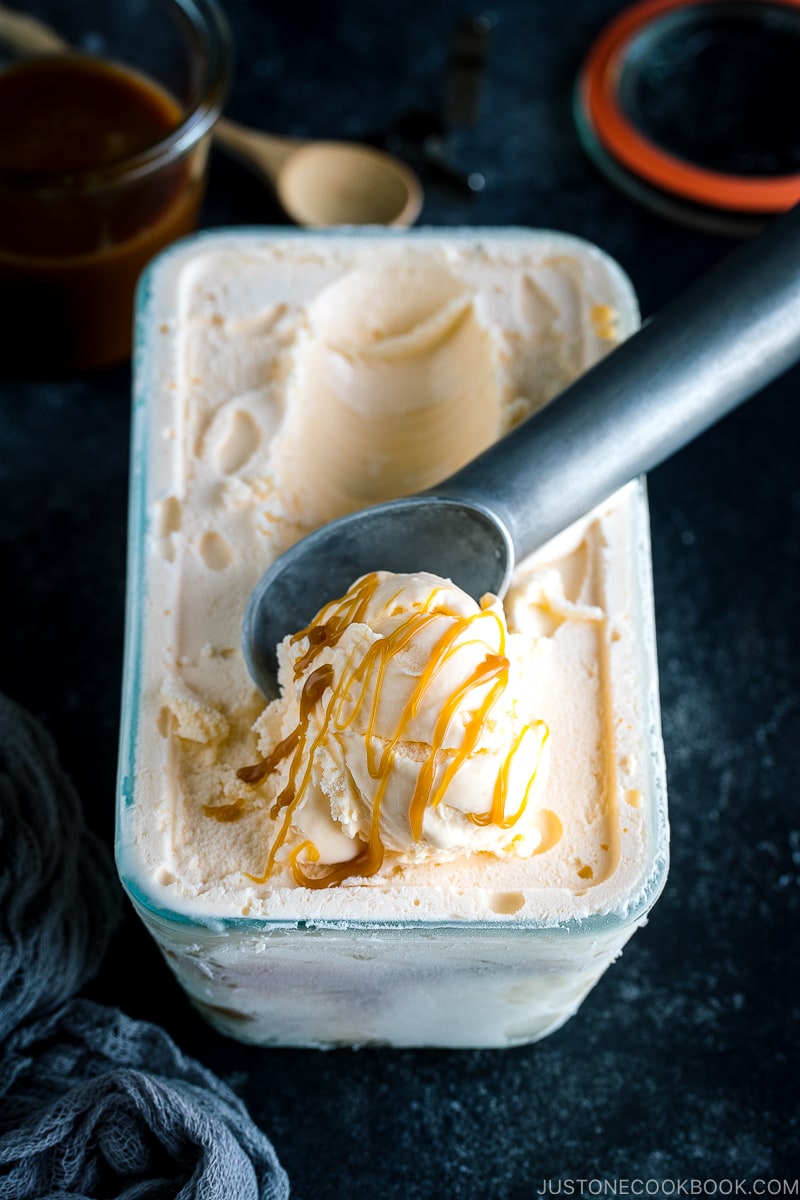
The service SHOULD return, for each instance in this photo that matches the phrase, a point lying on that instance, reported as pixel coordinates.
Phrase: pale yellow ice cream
(404, 727)
(309, 381)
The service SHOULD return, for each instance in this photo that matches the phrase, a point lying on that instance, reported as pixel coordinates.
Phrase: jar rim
(619, 136)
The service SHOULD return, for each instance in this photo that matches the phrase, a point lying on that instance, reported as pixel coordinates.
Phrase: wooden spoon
(323, 183)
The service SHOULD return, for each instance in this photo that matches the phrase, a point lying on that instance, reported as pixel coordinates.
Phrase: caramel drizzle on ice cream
(313, 689)
(348, 696)
(328, 626)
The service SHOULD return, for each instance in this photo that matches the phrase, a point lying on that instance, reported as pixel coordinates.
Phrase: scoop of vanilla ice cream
(403, 726)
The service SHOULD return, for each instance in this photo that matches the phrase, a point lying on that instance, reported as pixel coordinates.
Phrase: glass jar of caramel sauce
(102, 165)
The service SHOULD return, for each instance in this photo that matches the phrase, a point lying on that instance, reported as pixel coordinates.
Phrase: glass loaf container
(240, 340)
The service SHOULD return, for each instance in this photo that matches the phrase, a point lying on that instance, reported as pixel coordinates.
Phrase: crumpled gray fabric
(92, 1103)
(59, 901)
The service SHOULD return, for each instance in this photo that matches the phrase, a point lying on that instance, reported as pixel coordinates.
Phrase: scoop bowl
(457, 538)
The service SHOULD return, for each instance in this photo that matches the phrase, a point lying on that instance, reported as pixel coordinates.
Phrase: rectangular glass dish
(284, 377)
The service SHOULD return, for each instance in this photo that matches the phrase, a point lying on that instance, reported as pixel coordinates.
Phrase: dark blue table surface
(682, 1064)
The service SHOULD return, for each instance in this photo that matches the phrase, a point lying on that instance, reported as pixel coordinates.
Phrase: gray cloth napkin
(93, 1103)
(59, 900)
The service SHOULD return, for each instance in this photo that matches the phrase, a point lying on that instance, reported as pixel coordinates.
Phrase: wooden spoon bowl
(325, 183)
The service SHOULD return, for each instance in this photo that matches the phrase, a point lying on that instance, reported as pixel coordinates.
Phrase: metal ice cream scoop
(719, 343)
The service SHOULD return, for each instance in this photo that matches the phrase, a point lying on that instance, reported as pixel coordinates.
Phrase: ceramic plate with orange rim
(691, 106)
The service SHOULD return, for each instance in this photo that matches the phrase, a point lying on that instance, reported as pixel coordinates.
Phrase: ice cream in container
(453, 817)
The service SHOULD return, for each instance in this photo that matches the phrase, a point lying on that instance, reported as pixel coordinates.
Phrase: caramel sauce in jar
(89, 192)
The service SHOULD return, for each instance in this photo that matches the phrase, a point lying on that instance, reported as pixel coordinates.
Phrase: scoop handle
(712, 347)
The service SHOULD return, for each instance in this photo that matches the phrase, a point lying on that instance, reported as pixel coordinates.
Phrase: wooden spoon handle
(263, 151)
(29, 35)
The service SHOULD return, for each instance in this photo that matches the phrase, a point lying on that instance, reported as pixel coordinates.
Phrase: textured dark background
(683, 1062)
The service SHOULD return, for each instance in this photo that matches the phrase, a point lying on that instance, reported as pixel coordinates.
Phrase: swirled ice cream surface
(301, 378)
